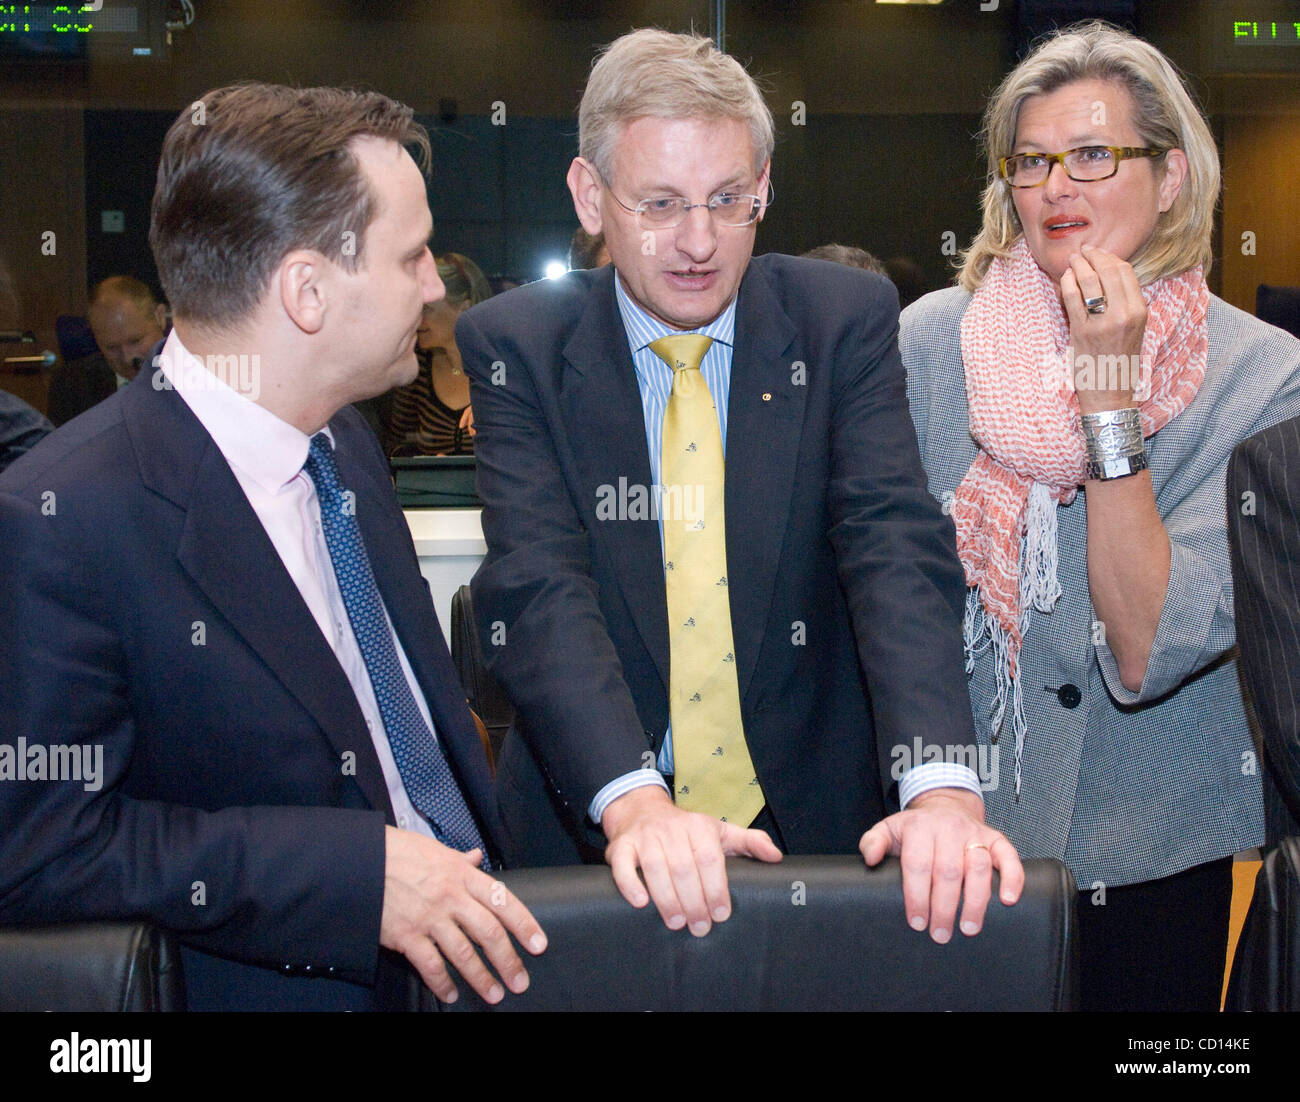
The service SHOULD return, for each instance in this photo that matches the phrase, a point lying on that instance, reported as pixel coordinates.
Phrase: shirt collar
(642, 329)
(254, 441)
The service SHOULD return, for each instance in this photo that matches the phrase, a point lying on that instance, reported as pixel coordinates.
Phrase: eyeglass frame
(759, 206)
(1120, 153)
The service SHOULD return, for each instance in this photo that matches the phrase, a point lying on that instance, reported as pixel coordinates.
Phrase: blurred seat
(74, 336)
(1279, 306)
(1266, 968)
(487, 699)
(90, 968)
(810, 933)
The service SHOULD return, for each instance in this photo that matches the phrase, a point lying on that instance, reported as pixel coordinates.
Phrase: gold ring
(976, 845)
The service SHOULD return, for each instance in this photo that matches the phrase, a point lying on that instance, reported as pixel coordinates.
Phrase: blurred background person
(21, 428)
(127, 321)
(432, 415)
(1100, 626)
(907, 277)
(850, 255)
(587, 250)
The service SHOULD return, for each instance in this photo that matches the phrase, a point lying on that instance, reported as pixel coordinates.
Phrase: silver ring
(1095, 305)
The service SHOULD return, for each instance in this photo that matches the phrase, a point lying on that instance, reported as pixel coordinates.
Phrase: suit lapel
(601, 407)
(765, 411)
(226, 551)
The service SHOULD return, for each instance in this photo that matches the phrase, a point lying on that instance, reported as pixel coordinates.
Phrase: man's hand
(681, 854)
(943, 842)
(438, 903)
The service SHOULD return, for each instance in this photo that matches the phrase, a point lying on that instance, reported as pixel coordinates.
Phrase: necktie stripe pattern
(425, 773)
(714, 772)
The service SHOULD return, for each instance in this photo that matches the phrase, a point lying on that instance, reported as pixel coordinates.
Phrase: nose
(431, 287)
(1059, 184)
(697, 236)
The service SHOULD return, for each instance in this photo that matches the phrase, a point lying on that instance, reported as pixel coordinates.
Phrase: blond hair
(655, 74)
(1164, 115)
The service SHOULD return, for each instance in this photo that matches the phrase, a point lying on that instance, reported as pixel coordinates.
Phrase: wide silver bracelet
(1114, 442)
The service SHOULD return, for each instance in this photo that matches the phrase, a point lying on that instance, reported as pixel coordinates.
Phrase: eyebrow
(731, 181)
(1075, 143)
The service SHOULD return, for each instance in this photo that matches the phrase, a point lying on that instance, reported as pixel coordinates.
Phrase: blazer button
(1069, 696)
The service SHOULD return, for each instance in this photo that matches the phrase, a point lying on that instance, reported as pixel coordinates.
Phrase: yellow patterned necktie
(712, 768)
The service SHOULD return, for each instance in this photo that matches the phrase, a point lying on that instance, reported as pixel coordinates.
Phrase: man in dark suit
(229, 704)
(1264, 524)
(689, 686)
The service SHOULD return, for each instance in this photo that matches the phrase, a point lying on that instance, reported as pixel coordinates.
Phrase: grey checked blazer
(1125, 787)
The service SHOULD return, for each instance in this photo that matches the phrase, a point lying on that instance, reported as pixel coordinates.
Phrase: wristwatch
(1116, 468)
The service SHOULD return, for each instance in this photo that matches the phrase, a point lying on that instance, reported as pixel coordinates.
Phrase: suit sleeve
(272, 886)
(896, 553)
(545, 638)
(1264, 522)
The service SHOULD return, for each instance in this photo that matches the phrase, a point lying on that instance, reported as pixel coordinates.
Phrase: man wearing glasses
(717, 590)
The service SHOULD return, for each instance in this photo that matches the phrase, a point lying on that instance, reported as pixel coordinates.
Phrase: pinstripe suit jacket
(1126, 786)
(1264, 521)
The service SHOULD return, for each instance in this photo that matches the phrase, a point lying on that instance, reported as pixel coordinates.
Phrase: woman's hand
(1106, 347)
(467, 420)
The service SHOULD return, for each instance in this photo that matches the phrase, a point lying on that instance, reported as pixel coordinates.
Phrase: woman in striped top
(432, 415)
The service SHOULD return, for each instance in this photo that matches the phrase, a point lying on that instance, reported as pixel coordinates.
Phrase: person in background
(432, 415)
(127, 322)
(21, 428)
(1076, 400)
(587, 250)
(907, 276)
(847, 254)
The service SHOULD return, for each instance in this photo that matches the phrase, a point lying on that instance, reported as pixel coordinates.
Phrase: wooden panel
(1260, 197)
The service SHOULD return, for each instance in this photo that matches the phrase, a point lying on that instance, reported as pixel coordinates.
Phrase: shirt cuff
(621, 786)
(936, 774)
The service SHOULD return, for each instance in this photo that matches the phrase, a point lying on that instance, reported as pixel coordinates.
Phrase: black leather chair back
(810, 933)
(1266, 968)
(91, 967)
(486, 697)
(1279, 306)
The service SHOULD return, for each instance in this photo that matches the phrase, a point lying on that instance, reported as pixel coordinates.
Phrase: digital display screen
(1268, 32)
(75, 32)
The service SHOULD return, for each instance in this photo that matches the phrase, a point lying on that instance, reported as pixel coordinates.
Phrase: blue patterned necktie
(420, 760)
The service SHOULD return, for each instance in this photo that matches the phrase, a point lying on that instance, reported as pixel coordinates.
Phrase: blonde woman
(1076, 400)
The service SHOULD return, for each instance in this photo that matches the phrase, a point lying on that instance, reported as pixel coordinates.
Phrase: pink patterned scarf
(1024, 415)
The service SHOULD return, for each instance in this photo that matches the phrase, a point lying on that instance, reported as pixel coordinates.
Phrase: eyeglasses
(1085, 164)
(727, 208)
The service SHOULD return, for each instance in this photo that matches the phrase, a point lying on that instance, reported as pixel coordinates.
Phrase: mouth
(1064, 225)
(692, 279)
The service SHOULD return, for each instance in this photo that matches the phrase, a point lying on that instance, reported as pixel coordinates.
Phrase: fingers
(1011, 872)
(978, 887)
(947, 874)
(622, 858)
(877, 843)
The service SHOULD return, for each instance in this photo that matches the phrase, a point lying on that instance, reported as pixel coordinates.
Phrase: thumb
(737, 842)
(473, 856)
(877, 843)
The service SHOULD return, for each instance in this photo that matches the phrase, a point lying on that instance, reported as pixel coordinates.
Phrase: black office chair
(1266, 968)
(1279, 306)
(486, 697)
(90, 967)
(810, 933)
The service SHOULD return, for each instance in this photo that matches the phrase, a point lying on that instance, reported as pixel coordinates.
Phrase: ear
(763, 178)
(160, 316)
(1176, 169)
(301, 281)
(585, 187)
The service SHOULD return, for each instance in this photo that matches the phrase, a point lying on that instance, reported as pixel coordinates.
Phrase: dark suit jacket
(846, 592)
(1264, 523)
(144, 610)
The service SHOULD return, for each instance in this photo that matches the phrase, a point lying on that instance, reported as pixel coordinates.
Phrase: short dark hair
(584, 249)
(252, 171)
(849, 255)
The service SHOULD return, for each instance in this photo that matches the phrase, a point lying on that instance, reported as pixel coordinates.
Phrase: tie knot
(683, 352)
(320, 463)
